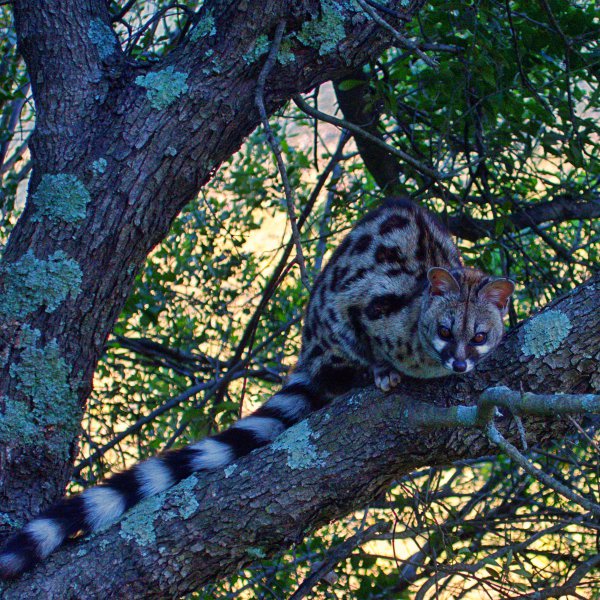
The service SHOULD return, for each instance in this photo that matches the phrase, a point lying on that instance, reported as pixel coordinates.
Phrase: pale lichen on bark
(204, 27)
(42, 375)
(99, 166)
(286, 55)
(301, 452)
(163, 87)
(31, 283)
(103, 37)
(259, 48)
(545, 333)
(182, 501)
(325, 31)
(230, 470)
(61, 197)
(138, 523)
(15, 423)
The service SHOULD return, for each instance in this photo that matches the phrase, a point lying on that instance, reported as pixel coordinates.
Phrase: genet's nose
(460, 366)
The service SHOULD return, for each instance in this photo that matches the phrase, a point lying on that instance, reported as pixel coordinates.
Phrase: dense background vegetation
(504, 139)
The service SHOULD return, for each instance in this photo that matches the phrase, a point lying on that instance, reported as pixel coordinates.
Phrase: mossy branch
(335, 462)
(519, 404)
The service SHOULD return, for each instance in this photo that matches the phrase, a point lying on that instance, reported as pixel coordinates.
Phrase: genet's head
(462, 314)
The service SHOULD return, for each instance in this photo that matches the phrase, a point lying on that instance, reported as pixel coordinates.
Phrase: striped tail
(102, 505)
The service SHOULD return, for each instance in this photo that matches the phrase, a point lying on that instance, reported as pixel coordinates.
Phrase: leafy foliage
(16, 121)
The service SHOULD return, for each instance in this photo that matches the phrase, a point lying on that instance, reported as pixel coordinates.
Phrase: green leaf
(350, 84)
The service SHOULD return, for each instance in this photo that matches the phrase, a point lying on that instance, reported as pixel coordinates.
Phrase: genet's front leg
(386, 378)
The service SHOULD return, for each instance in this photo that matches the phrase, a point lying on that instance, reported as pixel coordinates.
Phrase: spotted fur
(378, 306)
(387, 288)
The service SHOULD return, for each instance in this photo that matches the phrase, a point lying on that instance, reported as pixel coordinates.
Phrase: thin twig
(425, 170)
(569, 587)
(446, 570)
(153, 22)
(403, 40)
(590, 440)
(499, 440)
(523, 75)
(521, 430)
(118, 16)
(323, 234)
(274, 143)
(192, 391)
(275, 275)
(387, 10)
(335, 556)
(555, 24)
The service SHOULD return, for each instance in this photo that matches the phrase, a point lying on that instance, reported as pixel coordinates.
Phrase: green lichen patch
(213, 67)
(163, 87)
(31, 283)
(61, 197)
(230, 470)
(138, 523)
(324, 32)
(42, 375)
(183, 500)
(255, 552)
(103, 37)
(204, 27)
(286, 56)
(301, 452)
(6, 519)
(15, 423)
(99, 166)
(261, 46)
(545, 333)
(104, 544)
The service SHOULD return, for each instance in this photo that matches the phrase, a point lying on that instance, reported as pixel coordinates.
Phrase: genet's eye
(444, 333)
(479, 338)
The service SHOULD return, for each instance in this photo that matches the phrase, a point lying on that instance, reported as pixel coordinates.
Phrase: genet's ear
(498, 292)
(441, 282)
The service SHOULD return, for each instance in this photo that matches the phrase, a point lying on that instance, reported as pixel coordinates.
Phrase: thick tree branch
(353, 103)
(335, 462)
(119, 148)
(563, 207)
(66, 46)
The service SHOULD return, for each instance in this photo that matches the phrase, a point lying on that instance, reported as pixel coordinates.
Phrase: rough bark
(337, 461)
(119, 148)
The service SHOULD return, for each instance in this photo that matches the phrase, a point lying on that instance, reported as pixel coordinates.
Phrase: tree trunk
(119, 148)
(335, 462)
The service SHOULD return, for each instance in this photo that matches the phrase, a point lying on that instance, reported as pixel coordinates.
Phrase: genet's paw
(385, 377)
